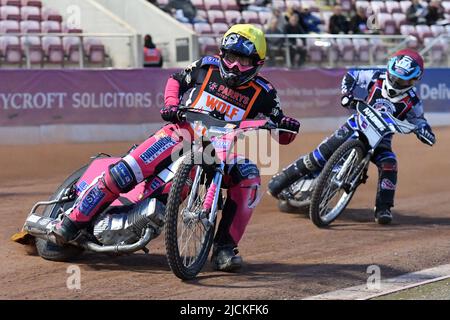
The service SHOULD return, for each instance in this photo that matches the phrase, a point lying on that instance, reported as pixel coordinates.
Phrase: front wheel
(329, 198)
(188, 238)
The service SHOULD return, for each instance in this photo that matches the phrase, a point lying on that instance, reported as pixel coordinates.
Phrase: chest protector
(398, 109)
(222, 102)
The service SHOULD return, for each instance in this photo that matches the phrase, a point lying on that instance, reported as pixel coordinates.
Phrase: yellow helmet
(249, 44)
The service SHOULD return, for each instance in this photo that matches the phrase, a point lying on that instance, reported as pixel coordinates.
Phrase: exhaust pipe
(124, 248)
(41, 227)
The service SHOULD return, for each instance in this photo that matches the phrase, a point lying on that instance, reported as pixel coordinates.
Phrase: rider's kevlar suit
(406, 106)
(208, 92)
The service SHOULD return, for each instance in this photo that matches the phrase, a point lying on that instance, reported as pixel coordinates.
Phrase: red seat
(51, 14)
(393, 7)
(30, 13)
(53, 49)
(213, 5)
(51, 26)
(9, 26)
(30, 26)
(199, 4)
(94, 50)
(404, 5)
(202, 28)
(362, 48)
(71, 47)
(15, 3)
(215, 16)
(250, 16)
(10, 13)
(264, 17)
(387, 23)
(423, 31)
(229, 5)
(35, 50)
(232, 17)
(219, 28)
(378, 7)
(10, 49)
(400, 19)
(32, 3)
(208, 46)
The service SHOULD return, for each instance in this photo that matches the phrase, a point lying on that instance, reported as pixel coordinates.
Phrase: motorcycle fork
(213, 196)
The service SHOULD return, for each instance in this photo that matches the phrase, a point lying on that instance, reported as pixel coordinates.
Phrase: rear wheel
(329, 198)
(47, 249)
(188, 241)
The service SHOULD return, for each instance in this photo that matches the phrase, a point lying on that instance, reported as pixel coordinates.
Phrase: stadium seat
(32, 3)
(362, 48)
(379, 50)
(407, 29)
(219, 28)
(378, 7)
(202, 28)
(10, 49)
(15, 3)
(438, 50)
(51, 14)
(53, 49)
(387, 23)
(232, 17)
(9, 13)
(50, 26)
(71, 46)
(316, 53)
(70, 29)
(30, 26)
(208, 46)
(199, 4)
(404, 5)
(362, 4)
(9, 26)
(346, 49)
(264, 17)
(437, 30)
(30, 13)
(423, 31)
(229, 5)
(35, 51)
(250, 16)
(94, 50)
(189, 25)
(400, 19)
(446, 5)
(393, 7)
(202, 14)
(213, 5)
(216, 16)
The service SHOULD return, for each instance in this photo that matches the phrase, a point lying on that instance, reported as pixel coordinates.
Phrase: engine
(124, 225)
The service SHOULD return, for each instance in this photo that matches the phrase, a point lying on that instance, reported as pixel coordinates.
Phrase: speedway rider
(391, 91)
(230, 88)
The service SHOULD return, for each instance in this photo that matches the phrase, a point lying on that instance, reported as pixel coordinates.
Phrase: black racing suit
(406, 106)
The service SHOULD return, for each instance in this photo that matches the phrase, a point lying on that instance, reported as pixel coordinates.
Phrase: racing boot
(383, 215)
(284, 179)
(225, 258)
(65, 231)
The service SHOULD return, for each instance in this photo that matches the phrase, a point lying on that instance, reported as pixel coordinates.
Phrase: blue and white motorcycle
(325, 195)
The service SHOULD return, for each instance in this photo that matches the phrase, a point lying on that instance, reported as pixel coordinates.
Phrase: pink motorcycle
(196, 196)
(191, 187)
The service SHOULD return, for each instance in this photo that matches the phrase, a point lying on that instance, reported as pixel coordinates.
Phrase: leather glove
(347, 100)
(425, 135)
(289, 124)
(170, 114)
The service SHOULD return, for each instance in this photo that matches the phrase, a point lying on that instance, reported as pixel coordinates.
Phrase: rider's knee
(120, 176)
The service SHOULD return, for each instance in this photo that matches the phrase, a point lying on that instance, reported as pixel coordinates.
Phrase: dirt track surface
(286, 256)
